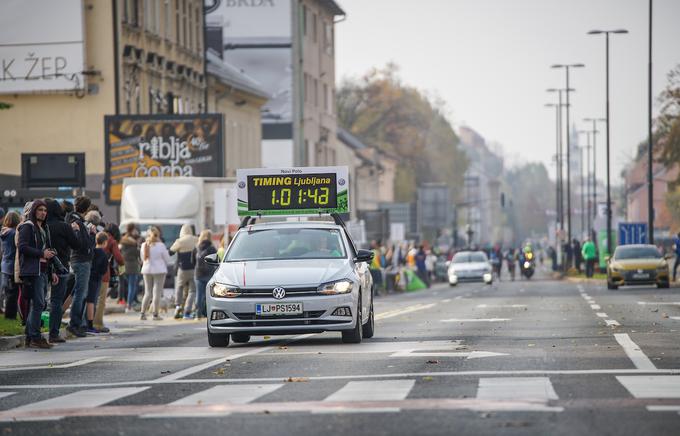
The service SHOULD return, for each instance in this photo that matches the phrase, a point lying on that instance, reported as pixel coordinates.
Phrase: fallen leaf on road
(655, 310)
(166, 372)
(297, 379)
(428, 378)
(220, 371)
(531, 345)
(283, 347)
(267, 338)
(664, 315)
(435, 362)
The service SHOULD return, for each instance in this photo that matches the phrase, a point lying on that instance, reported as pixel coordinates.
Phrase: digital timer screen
(292, 191)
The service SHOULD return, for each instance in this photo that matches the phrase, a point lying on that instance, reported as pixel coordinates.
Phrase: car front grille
(290, 292)
(305, 315)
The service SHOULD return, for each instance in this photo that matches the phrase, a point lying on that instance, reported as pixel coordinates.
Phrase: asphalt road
(525, 357)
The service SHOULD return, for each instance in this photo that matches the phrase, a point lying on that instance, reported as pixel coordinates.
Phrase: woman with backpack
(156, 260)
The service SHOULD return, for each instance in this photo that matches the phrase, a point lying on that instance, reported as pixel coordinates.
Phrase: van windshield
(286, 243)
(169, 232)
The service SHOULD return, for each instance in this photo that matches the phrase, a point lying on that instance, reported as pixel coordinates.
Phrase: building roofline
(232, 76)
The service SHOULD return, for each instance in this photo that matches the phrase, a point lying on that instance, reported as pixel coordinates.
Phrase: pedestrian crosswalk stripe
(516, 388)
(378, 390)
(6, 394)
(88, 398)
(656, 386)
(225, 394)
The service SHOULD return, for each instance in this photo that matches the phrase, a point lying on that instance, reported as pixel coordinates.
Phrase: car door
(365, 278)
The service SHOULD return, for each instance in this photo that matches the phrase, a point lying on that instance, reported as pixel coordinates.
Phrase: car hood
(633, 264)
(292, 273)
(469, 266)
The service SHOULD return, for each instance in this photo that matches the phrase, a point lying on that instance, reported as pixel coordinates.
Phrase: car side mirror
(211, 259)
(364, 256)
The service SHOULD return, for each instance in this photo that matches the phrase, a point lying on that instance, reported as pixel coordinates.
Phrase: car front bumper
(455, 278)
(317, 315)
(629, 278)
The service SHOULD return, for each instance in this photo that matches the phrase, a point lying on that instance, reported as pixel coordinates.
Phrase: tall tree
(668, 122)
(401, 120)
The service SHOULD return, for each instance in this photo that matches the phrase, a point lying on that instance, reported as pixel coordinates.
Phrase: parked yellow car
(637, 265)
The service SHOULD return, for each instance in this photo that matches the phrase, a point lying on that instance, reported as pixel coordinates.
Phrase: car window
(623, 253)
(286, 243)
(469, 257)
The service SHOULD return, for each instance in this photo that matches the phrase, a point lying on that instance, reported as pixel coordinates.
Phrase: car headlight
(333, 288)
(220, 290)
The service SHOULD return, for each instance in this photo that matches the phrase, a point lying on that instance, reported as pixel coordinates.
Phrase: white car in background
(281, 278)
(470, 266)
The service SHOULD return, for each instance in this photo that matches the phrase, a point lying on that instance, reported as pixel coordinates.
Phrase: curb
(11, 342)
(114, 309)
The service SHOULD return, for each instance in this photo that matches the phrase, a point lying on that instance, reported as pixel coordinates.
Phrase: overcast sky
(489, 60)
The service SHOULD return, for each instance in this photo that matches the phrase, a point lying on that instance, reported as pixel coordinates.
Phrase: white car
(290, 278)
(470, 266)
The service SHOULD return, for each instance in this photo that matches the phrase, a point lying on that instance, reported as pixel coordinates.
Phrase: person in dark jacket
(129, 248)
(203, 271)
(10, 288)
(100, 266)
(35, 252)
(81, 262)
(64, 239)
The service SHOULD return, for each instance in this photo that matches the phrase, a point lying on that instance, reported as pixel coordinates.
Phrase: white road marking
(476, 320)
(602, 315)
(377, 390)
(6, 394)
(446, 300)
(198, 368)
(404, 311)
(59, 366)
(677, 318)
(663, 408)
(224, 394)
(647, 303)
(507, 373)
(513, 306)
(527, 389)
(595, 307)
(469, 355)
(612, 323)
(640, 359)
(459, 297)
(658, 386)
(88, 398)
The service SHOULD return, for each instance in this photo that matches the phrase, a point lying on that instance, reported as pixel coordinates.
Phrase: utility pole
(650, 148)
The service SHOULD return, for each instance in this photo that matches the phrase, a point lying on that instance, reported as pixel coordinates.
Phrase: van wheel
(368, 329)
(218, 339)
(240, 338)
(354, 336)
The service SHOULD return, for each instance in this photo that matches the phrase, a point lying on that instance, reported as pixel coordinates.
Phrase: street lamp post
(609, 198)
(587, 149)
(560, 155)
(594, 132)
(566, 68)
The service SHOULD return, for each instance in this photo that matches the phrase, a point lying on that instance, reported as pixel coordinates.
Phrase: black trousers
(590, 267)
(11, 296)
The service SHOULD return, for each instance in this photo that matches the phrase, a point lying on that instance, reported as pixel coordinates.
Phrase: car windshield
(469, 257)
(286, 243)
(623, 253)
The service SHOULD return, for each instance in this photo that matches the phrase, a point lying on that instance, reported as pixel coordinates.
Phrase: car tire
(240, 338)
(611, 286)
(220, 340)
(368, 329)
(452, 284)
(663, 285)
(354, 336)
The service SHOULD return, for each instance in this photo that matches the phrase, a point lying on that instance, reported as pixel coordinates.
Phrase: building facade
(140, 57)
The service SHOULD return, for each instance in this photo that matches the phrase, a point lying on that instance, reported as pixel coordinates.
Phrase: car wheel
(240, 338)
(452, 284)
(368, 329)
(354, 336)
(663, 285)
(218, 339)
(611, 286)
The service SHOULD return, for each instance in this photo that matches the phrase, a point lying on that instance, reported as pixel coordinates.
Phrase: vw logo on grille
(278, 293)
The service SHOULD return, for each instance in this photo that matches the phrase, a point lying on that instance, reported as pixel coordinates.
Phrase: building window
(178, 20)
(150, 100)
(168, 19)
(328, 38)
(314, 29)
(305, 89)
(184, 23)
(326, 98)
(189, 30)
(199, 28)
(131, 12)
(316, 93)
(304, 20)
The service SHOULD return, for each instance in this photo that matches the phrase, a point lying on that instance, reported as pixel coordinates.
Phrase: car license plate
(640, 276)
(278, 309)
